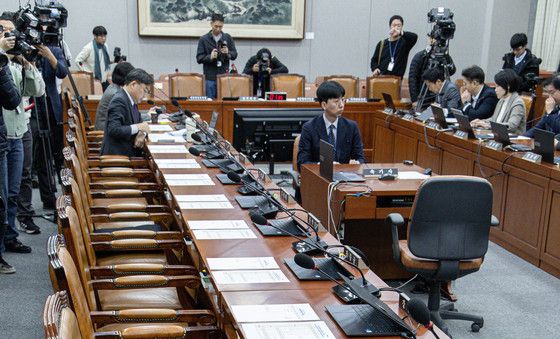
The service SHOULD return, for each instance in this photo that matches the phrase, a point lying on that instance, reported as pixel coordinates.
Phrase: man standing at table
(331, 127)
(215, 50)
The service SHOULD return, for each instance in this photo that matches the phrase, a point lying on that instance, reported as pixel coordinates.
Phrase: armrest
(146, 281)
(109, 156)
(494, 222)
(101, 318)
(115, 172)
(120, 193)
(136, 234)
(141, 269)
(125, 184)
(395, 220)
(136, 245)
(96, 133)
(125, 206)
(161, 331)
(130, 216)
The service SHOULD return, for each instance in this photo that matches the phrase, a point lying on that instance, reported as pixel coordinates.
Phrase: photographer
(9, 99)
(261, 66)
(215, 50)
(521, 60)
(29, 83)
(95, 58)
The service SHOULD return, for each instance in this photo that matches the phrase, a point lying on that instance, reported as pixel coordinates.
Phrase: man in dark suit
(331, 127)
(521, 60)
(447, 94)
(478, 100)
(551, 119)
(124, 122)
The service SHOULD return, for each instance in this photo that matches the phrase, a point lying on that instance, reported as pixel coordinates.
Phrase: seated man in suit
(261, 67)
(124, 130)
(479, 100)
(551, 119)
(447, 94)
(331, 127)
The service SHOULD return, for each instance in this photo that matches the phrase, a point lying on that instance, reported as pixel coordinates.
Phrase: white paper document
(160, 128)
(273, 313)
(200, 197)
(242, 263)
(205, 205)
(188, 180)
(154, 137)
(224, 234)
(288, 330)
(177, 163)
(411, 175)
(216, 224)
(168, 149)
(249, 277)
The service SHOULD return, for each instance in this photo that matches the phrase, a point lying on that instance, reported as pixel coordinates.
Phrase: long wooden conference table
(224, 295)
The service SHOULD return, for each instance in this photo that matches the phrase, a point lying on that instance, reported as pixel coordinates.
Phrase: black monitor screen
(263, 132)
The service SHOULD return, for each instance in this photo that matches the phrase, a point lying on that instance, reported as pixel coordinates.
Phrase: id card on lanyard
(392, 52)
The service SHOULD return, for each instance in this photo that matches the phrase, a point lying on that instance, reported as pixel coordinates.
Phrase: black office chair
(447, 237)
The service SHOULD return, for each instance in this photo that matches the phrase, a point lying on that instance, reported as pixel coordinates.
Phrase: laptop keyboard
(374, 319)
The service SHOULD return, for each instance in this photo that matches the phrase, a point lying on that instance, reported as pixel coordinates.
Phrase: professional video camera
(264, 62)
(444, 27)
(40, 25)
(118, 55)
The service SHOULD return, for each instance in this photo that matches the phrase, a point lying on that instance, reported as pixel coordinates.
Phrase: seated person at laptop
(478, 100)
(331, 127)
(551, 120)
(510, 110)
(447, 94)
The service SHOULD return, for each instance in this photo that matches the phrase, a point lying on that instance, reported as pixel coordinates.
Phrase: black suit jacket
(485, 105)
(117, 138)
(348, 141)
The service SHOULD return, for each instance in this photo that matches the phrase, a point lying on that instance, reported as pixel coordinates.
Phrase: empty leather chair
(83, 81)
(349, 82)
(234, 85)
(184, 85)
(292, 84)
(389, 84)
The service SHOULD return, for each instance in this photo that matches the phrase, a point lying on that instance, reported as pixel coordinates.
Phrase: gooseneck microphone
(421, 314)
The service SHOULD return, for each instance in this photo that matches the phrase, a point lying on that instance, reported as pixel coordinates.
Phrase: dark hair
(396, 17)
(433, 75)
(518, 40)
(474, 73)
(553, 80)
(217, 17)
(138, 75)
(330, 90)
(262, 51)
(508, 80)
(120, 72)
(8, 16)
(99, 30)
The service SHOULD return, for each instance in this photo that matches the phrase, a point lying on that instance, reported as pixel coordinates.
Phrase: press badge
(391, 65)
(219, 64)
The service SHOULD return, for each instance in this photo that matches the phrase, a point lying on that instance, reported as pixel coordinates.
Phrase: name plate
(387, 110)
(262, 176)
(532, 157)
(493, 144)
(377, 172)
(248, 98)
(242, 158)
(461, 135)
(313, 221)
(356, 100)
(198, 98)
(408, 117)
(286, 197)
(305, 99)
(432, 125)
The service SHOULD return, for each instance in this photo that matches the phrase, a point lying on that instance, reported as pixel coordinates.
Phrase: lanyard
(392, 51)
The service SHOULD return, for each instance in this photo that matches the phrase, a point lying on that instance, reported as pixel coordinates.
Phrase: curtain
(546, 36)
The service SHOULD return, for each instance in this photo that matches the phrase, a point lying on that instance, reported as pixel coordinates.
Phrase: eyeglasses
(550, 91)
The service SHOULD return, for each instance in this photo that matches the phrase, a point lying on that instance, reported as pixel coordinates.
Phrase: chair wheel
(475, 327)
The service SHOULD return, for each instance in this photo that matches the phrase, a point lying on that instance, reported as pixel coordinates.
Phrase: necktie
(136, 114)
(332, 139)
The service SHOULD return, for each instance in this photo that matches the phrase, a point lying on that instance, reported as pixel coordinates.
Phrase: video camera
(264, 62)
(444, 27)
(40, 25)
(118, 55)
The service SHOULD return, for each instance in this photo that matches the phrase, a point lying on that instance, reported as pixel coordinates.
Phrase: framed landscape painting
(261, 19)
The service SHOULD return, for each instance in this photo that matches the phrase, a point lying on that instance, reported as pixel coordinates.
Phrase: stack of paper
(164, 137)
(188, 180)
(177, 163)
(160, 128)
(249, 277)
(203, 201)
(169, 149)
(242, 263)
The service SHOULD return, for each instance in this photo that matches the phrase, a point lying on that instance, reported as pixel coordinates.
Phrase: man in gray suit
(447, 94)
(119, 74)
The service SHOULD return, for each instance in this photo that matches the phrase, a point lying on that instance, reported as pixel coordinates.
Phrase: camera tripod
(432, 60)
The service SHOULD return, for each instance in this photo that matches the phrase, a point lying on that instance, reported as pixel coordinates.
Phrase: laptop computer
(544, 145)
(389, 102)
(501, 135)
(326, 168)
(439, 116)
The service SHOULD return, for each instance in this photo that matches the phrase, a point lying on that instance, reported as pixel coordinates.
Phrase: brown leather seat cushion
(120, 327)
(109, 179)
(108, 227)
(102, 202)
(161, 297)
(409, 260)
(131, 258)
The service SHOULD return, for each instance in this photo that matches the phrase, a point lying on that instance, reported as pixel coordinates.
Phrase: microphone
(251, 185)
(210, 154)
(421, 314)
(225, 165)
(272, 206)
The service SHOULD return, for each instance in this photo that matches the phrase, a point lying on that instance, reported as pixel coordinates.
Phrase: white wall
(346, 32)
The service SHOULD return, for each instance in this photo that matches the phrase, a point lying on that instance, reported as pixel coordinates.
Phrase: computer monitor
(544, 145)
(265, 131)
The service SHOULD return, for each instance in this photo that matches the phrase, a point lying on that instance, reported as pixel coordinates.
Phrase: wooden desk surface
(317, 293)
